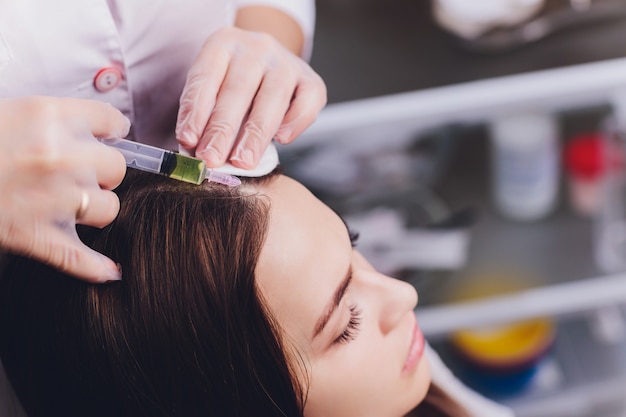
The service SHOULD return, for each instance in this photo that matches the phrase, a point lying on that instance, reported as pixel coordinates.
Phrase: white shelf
(397, 117)
(555, 300)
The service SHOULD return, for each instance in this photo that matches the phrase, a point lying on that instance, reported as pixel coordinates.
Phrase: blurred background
(366, 48)
(477, 146)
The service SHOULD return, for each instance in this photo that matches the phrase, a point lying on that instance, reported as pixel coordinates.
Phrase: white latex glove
(53, 170)
(244, 89)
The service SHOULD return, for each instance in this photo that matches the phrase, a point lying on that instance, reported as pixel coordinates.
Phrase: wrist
(274, 22)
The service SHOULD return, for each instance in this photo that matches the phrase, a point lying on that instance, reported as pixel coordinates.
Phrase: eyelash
(352, 329)
(354, 237)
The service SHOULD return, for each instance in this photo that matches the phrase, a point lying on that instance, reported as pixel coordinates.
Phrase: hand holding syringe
(55, 174)
(171, 164)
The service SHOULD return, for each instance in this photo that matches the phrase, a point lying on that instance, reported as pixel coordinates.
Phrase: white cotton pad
(268, 162)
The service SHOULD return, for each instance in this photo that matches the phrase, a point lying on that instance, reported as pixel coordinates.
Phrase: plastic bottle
(525, 165)
(586, 169)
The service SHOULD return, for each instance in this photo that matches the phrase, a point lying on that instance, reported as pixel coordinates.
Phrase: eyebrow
(337, 296)
(334, 303)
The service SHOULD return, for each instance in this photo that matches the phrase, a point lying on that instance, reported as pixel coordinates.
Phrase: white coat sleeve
(302, 11)
(474, 403)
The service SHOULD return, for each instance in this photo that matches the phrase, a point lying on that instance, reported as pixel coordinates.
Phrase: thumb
(70, 255)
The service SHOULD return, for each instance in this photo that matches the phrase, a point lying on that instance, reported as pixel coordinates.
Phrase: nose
(397, 298)
(392, 298)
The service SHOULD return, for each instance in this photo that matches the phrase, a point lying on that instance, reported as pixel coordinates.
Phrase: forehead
(305, 257)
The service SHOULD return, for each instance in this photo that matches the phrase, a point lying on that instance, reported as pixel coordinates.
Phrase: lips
(416, 349)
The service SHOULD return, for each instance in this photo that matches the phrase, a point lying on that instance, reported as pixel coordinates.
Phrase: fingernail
(245, 156)
(125, 130)
(128, 124)
(210, 155)
(113, 273)
(187, 139)
(248, 149)
(283, 134)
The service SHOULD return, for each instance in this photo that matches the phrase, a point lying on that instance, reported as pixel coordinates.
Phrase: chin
(419, 384)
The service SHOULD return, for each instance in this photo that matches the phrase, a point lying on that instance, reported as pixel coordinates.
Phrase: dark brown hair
(438, 404)
(185, 333)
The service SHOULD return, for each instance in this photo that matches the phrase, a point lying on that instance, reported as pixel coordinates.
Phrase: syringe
(171, 164)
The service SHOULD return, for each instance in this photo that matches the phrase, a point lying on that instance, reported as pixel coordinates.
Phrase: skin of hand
(246, 88)
(51, 168)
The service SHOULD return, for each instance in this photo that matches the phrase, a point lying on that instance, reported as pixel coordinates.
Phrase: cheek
(357, 380)
(363, 378)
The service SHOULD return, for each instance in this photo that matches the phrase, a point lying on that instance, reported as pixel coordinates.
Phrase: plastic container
(501, 359)
(585, 167)
(525, 165)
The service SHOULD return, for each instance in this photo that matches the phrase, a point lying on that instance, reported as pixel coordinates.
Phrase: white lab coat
(144, 47)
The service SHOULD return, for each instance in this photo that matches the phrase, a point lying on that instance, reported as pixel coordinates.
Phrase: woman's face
(354, 327)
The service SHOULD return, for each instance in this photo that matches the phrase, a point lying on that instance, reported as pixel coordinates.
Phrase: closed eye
(354, 237)
(352, 329)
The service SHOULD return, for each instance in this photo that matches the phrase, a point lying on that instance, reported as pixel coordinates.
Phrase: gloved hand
(244, 89)
(54, 174)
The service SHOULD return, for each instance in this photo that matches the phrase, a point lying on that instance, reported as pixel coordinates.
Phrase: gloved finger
(233, 102)
(267, 113)
(103, 120)
(97, 207)
(309, 99)
(199, 94)
(67, 253)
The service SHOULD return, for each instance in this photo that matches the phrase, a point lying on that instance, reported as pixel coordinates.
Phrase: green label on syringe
(183, 168)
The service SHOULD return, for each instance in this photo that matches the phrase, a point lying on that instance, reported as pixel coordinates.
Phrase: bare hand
(54, 174)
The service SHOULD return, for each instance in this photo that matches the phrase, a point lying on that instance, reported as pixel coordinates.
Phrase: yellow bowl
(510, 346)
